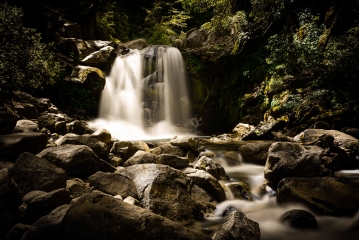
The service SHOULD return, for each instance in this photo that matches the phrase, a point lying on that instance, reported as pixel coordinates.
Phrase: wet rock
(17, 232)
(45, 203)
(292, 160)
(26, 110)
(26, 126)
(240, 190)
(88, 218)
(203, 202)
(98, 44)
(89, 78)
(121, 148)
(77, 187)
(207, 154)
(141, 157)
(298, 218)
(47, 226)
(168, 149)
(186, 143)
(132, 201)
(207, 182)
(213, 168)
(162, 189)
(237, 226)
(34, 173)
(255, 152)
(100, 148)
(114, 184)
(77, 160)
(101, 135)
(7, 122)
(173, 161)
(325, 195)
(12, 145)
(79, 128)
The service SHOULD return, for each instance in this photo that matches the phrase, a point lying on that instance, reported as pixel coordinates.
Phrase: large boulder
(255, 152)
(78, 127)
(186, 143)
(168, 149)
(7, 122)
(77, 160)
(101, 59)
(77, 187)
(89, 78)
(141, 157)
(34, 173)
(26, 126)
(114, 184)
(207, 182)
(122, 148)
(101, 135)
(78, 48)
(213, 168)
(203, 203)
(26, 110)
(97, 216)
(136, 44)
(292, 160)
(237, 227)
(325, 195)
(52, 121)
(137, 146)
(240, 190)
(12, 145)
(162, 189)
(101, 149)
(173, 161)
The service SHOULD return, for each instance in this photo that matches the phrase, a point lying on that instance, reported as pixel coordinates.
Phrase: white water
(266, 212)
(136, 107)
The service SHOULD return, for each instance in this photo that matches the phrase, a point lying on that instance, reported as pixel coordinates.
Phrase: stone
(242, 130)
(101, 135)
(240, 190)
(42, 104)
(136, 44)
(45, 203)
(77, 187)
(132, 201)
(78, 127)
(203, 203)
(208, 154)
(163, 190)
(354, 132)
(7, 165)
(186, 143)
(325, 195)
(12, 145)
(7, 122)
(47, 226)
(173, 161)
(34, 173)
(53, 122)
(17, 232)
(77, 47)
(137, 146)
(263, 130)
(77, 160)
(168, 149)
(26, 126)
(141, 157)
(32, 195)
(255, 152)
(116, 161)
(114, 184)
(292, 160)
(25, 110)
(100, 148)
(238, 227)
(121, 148)
(98, 44)
(196, 38)
(207, 182)
(97, 216)
(99, 59)
(298, 218)
(89, 78)
(213, 168)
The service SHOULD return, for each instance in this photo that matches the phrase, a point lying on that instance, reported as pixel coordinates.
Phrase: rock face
(26, 126)
(292, 160)
(213, 168)
(163, 190)
(256, 152)
(121, 148)
(12, 145)
(100, 148)
(7, 122)
(298, 218)
(34, 173)
(77, 160)
(114, 184)
(238, 227)
(97, 216)
(323, 194)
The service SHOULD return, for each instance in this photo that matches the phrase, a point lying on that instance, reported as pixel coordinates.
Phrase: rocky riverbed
(60, 179)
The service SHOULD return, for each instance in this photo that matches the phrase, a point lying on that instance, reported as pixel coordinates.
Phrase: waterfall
(145, 96)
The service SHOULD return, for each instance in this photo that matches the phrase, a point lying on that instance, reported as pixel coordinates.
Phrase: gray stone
(121, 148)
(213, 168)
(186, 143)
(53, 122)
(99, 59)
(32, 195)
(137, 146)
(89, 78)
(26, 110)
(26, 126)
(116, 161)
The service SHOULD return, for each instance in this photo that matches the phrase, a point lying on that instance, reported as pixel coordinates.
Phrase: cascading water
(145, 96)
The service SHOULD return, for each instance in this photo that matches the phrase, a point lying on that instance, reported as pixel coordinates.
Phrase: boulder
(32, 195)
(354, 132)
(141, 157)
(213, 168)
(298, 218)
(12, 145)
(137, 146)
(255, 152)
(26, 126)
(292, 160)
(101, 135)
(101, 59)
(98, 44)
(238, 227)
(168, 149)
(77, 187)
(78, 127)
(97, 216)
(173, 161)
(53, 122)
(17, 232)
(207, 182)
(186, 143)
(132, 201)
(325, 195)
(196, 38)
(34, 173)
(121, 148)
(263, 130)
(242, 130)
(136, 44)
(26, 110)
(203, 203)
(77, 160)
(116, 161)
(114, 184)
(42, 104)
(47, 226)
(163, 190)
(45, 203)
(208, 154)
(89, 78)
(78, 48)
(7, 165)
(101, 149)
(7, 122)
(240, 190)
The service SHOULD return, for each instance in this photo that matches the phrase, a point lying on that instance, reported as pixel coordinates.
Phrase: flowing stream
(264, 209)
(146, 96)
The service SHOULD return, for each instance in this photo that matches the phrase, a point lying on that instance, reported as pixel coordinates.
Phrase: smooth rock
(132, 201)
(141, 157)
(298, 218)
(101, 135)
(121, 148)
(26, 126)
(186, 143)
(116, 161)
(32, 195)
(137, 146)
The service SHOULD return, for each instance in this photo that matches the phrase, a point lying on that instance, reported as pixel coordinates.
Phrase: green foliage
(25, 62)
(194, 63)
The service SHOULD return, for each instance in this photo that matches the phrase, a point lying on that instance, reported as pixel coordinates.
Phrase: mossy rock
(90, 77)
